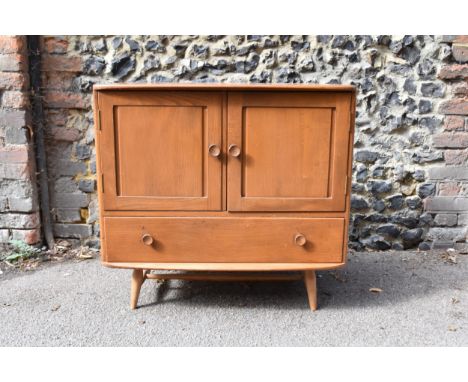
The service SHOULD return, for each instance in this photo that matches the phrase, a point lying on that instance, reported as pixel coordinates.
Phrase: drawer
(226, 240)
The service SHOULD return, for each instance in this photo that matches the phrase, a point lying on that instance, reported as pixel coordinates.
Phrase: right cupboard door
(288, 151)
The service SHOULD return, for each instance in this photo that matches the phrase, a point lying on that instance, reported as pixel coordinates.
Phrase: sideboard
(243, 181)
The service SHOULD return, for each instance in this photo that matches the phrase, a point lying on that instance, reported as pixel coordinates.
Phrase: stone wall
(410, 164)
(19, 216)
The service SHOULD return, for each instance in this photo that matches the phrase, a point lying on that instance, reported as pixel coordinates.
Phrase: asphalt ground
(423, 302)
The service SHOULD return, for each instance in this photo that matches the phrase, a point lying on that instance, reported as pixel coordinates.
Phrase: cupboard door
(288, 151)
(154, 150)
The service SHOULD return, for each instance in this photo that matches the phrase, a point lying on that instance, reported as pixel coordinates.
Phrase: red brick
(55, 45)
(12, 81)
(460, 52)
(448, 173)
(14, 155)
(449, 38)
(456, 157)
(63, 134)
(54, 63)
(66, 100)
(13, 118)
(57, 117)
(449, 189)
(58, 80)
(455, 140)
(453, 72)
(461, 90)
(457, 106)
(20, 221)
(18, 171)
(31, 220)
(29, 236)
(15, 99)
(12, 62)
(445, 204)
(12, 44)
(462, 39)
(454, 122)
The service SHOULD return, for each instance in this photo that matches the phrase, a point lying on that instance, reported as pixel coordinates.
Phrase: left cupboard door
(160, 151)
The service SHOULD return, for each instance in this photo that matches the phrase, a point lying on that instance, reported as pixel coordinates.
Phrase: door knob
(147, 239)
(300, 239)
(214, 150)
(234, 150)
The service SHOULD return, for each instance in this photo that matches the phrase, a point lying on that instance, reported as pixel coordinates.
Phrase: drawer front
(230, 240)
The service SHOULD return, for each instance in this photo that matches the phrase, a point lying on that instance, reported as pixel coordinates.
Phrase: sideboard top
(226, 86)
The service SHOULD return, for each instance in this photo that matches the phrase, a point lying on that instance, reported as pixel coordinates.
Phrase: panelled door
(161, 150)
(287, 151)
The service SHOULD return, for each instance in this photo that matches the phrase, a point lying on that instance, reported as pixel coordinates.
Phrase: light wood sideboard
(240, 181)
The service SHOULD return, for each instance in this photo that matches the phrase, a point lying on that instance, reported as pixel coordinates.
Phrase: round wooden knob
(147, 239)
(214, 150)
(234, 150)
(300, 239)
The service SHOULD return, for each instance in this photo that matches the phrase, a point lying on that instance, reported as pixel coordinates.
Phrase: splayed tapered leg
(311, 286)
(138, 278)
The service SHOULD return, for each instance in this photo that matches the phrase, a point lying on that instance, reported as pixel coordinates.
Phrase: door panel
(271, 136)
(155, 150)
(294, 150)
(170, 158)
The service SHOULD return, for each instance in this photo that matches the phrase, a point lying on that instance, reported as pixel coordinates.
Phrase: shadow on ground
(400, 279)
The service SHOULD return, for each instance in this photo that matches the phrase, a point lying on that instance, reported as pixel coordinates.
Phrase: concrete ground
(424, 302)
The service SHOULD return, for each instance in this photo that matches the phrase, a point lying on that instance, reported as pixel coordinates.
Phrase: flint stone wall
(410, 174)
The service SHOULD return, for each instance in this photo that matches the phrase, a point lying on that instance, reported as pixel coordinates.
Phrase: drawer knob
(300, 239)
(234, 150)
(147, 239)
(214, 150)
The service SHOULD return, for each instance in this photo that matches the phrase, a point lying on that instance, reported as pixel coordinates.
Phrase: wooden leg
(311, 286)
(138, 278)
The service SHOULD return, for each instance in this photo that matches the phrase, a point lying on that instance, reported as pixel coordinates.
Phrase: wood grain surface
(294, 151)
(154, 150)
(157, 175)
(188, 240)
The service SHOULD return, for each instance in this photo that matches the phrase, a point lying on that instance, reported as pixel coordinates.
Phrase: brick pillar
(68, 118)
(449, 205)
(19, 216)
